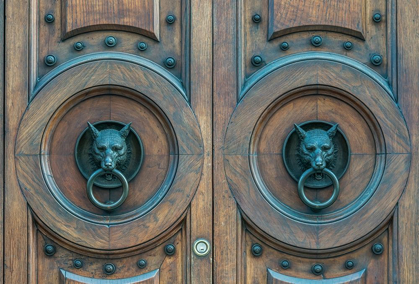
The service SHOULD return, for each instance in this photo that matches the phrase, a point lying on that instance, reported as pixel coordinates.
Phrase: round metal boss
(293, 165)
(87, 166)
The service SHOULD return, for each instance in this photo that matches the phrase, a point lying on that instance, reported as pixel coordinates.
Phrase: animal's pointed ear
(332, 131)
(301, 133)
(125, 131)
(93, 130)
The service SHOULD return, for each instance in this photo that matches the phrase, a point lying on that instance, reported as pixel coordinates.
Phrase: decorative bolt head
(316, 41)
(348, 45)
(376, 59)
(142, 46)
(285, 264)
(110, 41)
(317, 269)
(142, 263)
(50, 60)
(377, 248)
(284, 46)
(49, 250)
(109, 268)
(257, 250)
(257, 60)
(49, 18)
(170, 249)
(257, 18)
(377, 17)
(78, 46)
(170, 62)
(170, 19)
(349, 264)
(77, 263)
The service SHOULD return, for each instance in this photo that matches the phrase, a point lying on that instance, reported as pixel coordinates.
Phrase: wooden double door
(270, 141)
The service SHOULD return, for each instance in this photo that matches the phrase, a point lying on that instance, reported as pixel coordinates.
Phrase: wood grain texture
(225, 92)
(201, 102)
(81, 16)
(16, 99)
(294, 16)
(2, 116)
(408, 88)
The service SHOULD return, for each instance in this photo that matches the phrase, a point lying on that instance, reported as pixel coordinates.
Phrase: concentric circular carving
(330, 91)
(106, 87)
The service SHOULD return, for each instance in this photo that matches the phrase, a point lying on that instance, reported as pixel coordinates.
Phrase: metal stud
(50, 60)
(110, 41)
(49, 250)
(142, 263)
(285, 264)
(49, 18)
(170, 249)
(109, 268)
(316, 41)
(377, 248)
(348, 45)
(257, 250)
(257, 18)
(78, 46)
(284, 46)
(170, 19)
(257, 60)
(377, 17)
(317, 269)
(170, 62)
(77, 263)
(142, 46)
(376, 59)
(349, 264)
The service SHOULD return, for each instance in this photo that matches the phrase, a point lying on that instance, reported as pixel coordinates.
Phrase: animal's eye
(101, 147)
(310, 147)
(117, 147)
(326, 147)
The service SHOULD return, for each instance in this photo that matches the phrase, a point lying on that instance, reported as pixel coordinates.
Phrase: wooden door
(109, 200)
(305, 85)
(230, 104)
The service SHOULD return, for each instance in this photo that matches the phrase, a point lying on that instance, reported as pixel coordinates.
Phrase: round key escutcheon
(49, 250)
(170, 249)
(257, 18)
(170, 19)
(201, 247)
(50, 60)
(317, 269)
(109, 268)
(257, 250)
(49, 18)
(349, 264)
(378, 248)
(78, 46)
(285, 264)
(78, 263)
(142, 263)
(316, 41)
(111, 41)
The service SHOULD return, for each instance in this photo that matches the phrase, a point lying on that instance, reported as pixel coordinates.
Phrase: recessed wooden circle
(109, 87)
(319, 90)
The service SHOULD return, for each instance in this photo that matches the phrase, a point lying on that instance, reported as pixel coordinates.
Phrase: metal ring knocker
(114, 205)
(314, 205)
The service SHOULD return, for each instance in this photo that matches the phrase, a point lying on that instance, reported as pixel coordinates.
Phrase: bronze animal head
(109, 148)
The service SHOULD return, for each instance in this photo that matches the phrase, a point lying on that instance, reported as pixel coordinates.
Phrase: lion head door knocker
(109, 154)
(316, 154)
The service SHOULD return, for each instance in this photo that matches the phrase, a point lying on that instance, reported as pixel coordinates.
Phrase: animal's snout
(319, 163)
(108, 163)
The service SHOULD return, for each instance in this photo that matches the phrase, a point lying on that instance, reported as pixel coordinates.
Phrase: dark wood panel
(81, 16)
(302, 15)
(2, 116)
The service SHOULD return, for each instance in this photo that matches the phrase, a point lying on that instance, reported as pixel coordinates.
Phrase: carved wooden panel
(147, 278)
(278, 278)
(329, 15)
(140, 16)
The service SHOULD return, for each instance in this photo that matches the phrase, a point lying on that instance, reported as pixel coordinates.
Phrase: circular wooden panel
(109, 87)
(327, 90)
